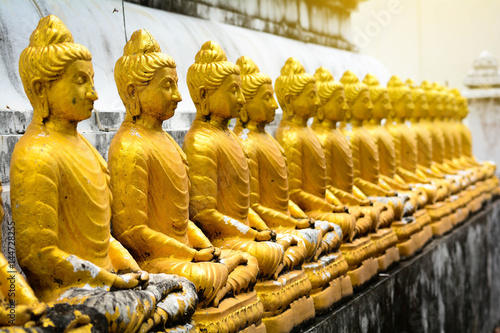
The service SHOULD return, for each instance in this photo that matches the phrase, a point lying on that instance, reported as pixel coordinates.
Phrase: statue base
(358, 250)
(286, 301)
(328, 280)
(442, 226)
(389, 258)
(385, 241)
(364, 273)
(337, 290)
(261, 328)
(232, 315)
(299, 312)
(415, 243)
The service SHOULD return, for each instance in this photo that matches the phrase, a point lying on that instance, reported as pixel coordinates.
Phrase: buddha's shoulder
(129, 139)
(289, 133)
(40, 143)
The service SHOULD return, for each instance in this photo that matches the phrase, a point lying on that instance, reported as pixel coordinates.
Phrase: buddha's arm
(129, 184)
(305, 200)
(271, 217)
(371, 189)
(35, 200)
(196, 237)
(16, 287)
(410, 177)
(203, 174)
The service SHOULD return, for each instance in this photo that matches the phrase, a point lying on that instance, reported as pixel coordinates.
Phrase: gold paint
(61, 201)
(220, 180)
(150, 185)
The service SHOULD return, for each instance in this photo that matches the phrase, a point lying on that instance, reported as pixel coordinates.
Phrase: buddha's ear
(320, 114)
(244, 115)
(133, 99)
(39, 89)
(203, 98)
(288, 105)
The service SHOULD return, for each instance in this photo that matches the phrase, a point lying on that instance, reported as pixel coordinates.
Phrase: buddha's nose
(176, 96)
(92, 95)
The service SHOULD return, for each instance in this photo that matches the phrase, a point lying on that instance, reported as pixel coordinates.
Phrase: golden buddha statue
(61, 201)
(150, 187)
(297, 96)
(411, 236)
(269, 196)
(426, 166)
(220, 192)
(339, 170)
(405, 146)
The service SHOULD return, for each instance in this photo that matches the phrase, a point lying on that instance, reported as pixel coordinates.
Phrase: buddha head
(434, 99)
(332, 96)
(462, 104)
(146, 79)
(420, 98)
(57, 74)
(401, 98)
(382, 106)
(358, 98)
(453, 106)
(296, 91)
(215, 85)
(260, 107)
(445, 100)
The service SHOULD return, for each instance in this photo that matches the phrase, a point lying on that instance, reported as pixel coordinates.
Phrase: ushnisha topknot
(376, 89)
(397, 89)
(325, 84)
(416, 91)
(251, 77)
(141, 59)
(209, 70)
(51, 49)
(292, 80)
(430, 93)
(352, 87)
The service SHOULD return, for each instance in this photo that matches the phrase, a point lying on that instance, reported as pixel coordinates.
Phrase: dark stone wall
(452, 286)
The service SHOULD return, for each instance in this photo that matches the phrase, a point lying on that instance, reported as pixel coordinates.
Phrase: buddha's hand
(340, 209)
(265, 235)
(131, 280)
(27, 313)
(305, 223)
(206, 254)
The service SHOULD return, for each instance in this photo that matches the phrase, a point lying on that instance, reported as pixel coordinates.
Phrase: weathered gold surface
(269, 196)
(150, 186)
(297, 95)
(61, 201)
(220, 182)
(339, 166)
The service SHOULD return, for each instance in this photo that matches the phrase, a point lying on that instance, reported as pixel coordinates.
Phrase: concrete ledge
(453, 285)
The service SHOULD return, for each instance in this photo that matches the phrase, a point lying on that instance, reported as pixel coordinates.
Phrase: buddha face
(382, 107)
(404, 107)
(336, 107)
(160, 97)
(262, 107)
(71, 97)
(421, 107)
(227, 100)
(362, 108)
(306, 103)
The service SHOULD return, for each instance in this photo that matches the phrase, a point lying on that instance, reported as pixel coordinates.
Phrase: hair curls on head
(397, 89)
(292, 80)
(326, 85)
(141, 59)
(352, 87)
(251, 77)
(376, 89)
(51, 49)
(416, 91)
(209, 70)
(429, 91)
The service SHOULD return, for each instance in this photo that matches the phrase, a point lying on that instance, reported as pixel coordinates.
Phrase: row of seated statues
(236, 230)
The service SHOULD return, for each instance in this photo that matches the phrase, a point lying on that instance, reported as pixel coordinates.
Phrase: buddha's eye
(81, 79)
